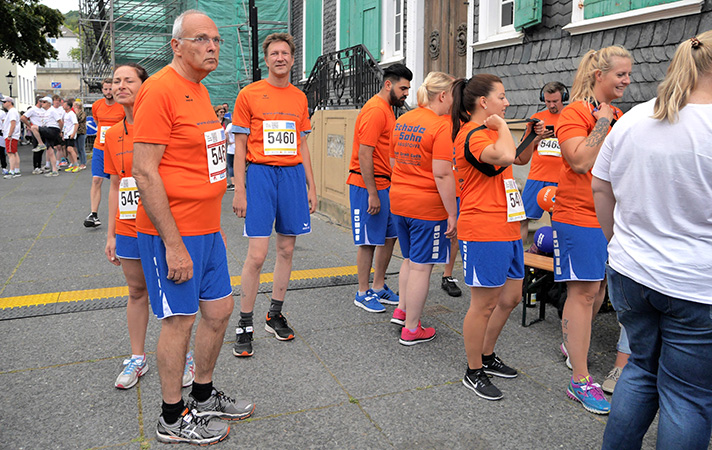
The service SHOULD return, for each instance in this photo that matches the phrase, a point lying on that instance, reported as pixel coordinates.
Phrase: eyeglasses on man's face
(203, 40)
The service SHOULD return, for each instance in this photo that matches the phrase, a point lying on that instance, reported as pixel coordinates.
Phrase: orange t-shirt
(118, 160)
(275, 119)
(419, 137)
(105, 117)
(177, 113)
(574, 198)
(374, 126)
(483, 200)
(546, 159)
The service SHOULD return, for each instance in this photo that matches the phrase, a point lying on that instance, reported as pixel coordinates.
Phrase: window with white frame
(392, 31)
(594, 15)
(495, 25)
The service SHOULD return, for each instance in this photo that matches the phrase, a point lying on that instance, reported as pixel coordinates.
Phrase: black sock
(246, 319)
(95, 214)
(171, 412)
(201, 392)
(471, 372)
(488, 358)
(275, 307)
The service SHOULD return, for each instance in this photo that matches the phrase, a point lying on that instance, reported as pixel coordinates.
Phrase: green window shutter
(361, 24)
(637, 4)
(527, 13)
(312, 34)
(598, 8)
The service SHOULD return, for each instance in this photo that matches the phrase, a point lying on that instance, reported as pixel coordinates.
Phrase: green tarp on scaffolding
(235, 68)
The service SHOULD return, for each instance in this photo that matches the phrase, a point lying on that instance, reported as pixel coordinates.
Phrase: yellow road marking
(123, 291)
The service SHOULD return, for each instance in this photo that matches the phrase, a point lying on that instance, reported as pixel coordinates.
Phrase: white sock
(138, 356)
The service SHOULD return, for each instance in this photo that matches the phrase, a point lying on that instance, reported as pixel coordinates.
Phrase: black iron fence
(343, 79)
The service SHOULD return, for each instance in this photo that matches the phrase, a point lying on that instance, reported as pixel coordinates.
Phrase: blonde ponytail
(433, 85)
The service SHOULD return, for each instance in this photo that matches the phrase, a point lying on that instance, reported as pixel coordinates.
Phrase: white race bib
(102, 134)
(515, 207)
(128, 198)
(549, 147)
(217, 155)
(280, 137)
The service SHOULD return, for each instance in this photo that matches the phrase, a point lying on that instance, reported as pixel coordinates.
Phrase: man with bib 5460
(270, 122)
(180, 169)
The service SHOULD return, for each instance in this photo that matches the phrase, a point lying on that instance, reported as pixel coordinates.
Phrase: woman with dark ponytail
(488, 227)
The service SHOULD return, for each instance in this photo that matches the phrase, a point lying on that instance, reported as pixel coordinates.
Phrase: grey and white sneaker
(191, 429)
(221, 406)
(189, 370)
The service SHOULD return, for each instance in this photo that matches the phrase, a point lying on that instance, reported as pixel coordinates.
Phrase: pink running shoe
(398, 317)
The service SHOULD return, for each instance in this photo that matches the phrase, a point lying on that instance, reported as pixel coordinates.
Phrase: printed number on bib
(549, 147)
(102, 134)
(217, 155)
(128, 198)
(280, 137)
(515, 207)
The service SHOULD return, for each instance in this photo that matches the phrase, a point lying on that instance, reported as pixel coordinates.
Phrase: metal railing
(343, 79)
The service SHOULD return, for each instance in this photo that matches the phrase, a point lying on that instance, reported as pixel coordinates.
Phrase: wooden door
(446, 37)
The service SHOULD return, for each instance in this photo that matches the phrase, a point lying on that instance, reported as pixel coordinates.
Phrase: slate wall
(549, 53)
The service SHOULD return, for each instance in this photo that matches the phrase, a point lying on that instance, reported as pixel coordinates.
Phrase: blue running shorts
(97, 164)
(127, 247)
(580, 253)
(370, 229)
(276, 195)
(423, 241)
(211, 279)
(491, 264)
(529, 194)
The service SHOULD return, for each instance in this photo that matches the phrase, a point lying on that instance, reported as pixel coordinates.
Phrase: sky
(63, 6)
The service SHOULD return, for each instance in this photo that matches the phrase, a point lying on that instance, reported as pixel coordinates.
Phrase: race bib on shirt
(280, 137)
(217, 155)
(102, 134)
(128, 198)
(549, 147)
(515, 207)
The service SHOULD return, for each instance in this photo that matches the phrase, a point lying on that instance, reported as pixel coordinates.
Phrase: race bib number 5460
(217, 155)
(280, 137)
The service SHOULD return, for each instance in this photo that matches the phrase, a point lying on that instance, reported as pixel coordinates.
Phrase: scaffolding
(119, 31)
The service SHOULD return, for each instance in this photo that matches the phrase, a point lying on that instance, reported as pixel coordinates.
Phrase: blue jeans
(623, 344)
(670, 368)
(81, 150)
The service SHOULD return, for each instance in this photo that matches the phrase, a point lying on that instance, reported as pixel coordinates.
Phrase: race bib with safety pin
(217, 155)
(515, 207)
(102, 134)
(549, 147)
(280, 137)
(128, 198)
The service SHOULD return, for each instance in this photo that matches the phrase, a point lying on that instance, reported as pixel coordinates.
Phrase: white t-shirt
(52, 118)
(36, 116)
(230, 139)
(70, 119)
(661, 175)
(11, 115)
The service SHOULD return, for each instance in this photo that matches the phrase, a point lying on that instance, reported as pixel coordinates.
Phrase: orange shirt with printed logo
(419, 137)
(546, 167)
(177, 113)
(483, 200)
(574, 198)
(118, 160)
(105, 117)
(275, 119)
(374, 126)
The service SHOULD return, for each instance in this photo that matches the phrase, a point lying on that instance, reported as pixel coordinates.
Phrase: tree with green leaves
(25, 26)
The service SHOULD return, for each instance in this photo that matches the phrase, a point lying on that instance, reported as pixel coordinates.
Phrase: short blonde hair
(692, 58)
(433, 85)
(592, 62)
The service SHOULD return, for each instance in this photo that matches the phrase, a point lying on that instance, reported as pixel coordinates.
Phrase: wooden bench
(532, 282)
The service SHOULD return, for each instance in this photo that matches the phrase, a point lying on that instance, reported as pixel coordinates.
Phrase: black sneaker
(497, 368)
(191, 429)
(480, 383)
(449, 285)
(91, 221)
(277, 325)
(243, 342)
